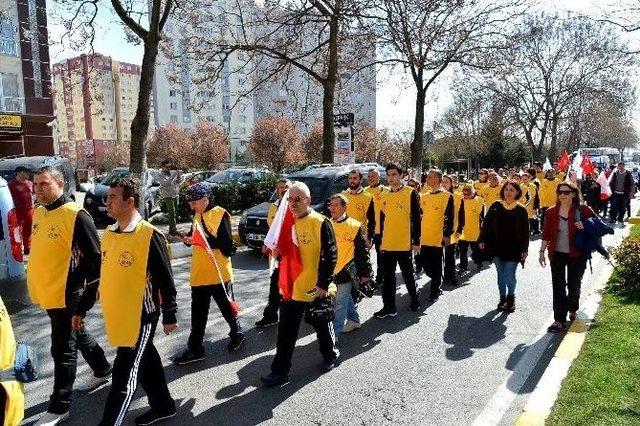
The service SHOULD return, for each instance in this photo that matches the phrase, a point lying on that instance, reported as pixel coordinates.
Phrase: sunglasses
(565, 192)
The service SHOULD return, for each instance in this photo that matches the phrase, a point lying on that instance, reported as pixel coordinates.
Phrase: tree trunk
(418, 133)
(140, 123)
(553, 146)
(329, 89)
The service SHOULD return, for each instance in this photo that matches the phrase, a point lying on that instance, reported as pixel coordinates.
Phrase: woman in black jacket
(505, 235)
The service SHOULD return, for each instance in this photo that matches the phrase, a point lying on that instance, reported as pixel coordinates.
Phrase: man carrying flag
(211, 272)
(305, 243)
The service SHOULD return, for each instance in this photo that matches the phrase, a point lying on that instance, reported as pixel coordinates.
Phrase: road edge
(543, 398)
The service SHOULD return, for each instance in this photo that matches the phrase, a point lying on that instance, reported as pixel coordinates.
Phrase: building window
(8, 38)
(173, 119)
(243, 118)
(10, 99)
(186, 119)
(35, 48)
(172, 93)
(173, 105)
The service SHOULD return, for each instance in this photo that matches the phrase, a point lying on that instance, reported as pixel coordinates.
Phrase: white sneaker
(93, 383)
(350, 326)
(51, 419)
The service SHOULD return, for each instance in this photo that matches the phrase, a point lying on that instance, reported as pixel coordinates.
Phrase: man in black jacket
(622, 190)
(65, 253)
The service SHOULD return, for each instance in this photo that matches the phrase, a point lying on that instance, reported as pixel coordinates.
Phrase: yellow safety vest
(548, 196)
(14, 406)
(309, 243)
(457, 200)
(123, 280)
(532, 190)
(203, 270)
(346, 233)
(358, 206)
(273, 209)
(50, 258)
(490, 194)
(377, 192)
(480, 186)
(472, 209)
(433, 206)
(396, 206)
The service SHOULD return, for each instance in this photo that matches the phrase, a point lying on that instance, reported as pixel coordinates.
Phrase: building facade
(96, 99)
(26, 108)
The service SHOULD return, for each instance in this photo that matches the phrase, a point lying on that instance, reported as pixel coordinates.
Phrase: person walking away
(11, 391)
(352, 265)
(622, 189)
(566, 261)
(400, 234)
(136, 282)
(169, 180)
(470, 217)
(505, 234)
(318, 255)
(211, 277)
(449, 272)
(270, 313)
(376, 189)
(532, 201)
(65, 257)
(547, 193)
(491, 192)
(21, 189)
(437, 208)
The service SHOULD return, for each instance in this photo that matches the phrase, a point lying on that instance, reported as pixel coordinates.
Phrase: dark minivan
(322, 182)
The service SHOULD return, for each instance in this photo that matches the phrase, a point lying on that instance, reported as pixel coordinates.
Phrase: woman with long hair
(561, 224)
(470, 216)
(505, 235)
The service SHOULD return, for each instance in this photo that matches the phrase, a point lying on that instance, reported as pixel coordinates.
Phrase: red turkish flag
(587, 165)
(564, 162)
(199, 239)
(290, 261)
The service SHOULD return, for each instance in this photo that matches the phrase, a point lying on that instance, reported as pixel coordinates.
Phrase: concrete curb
(544, 396)
(179, 250)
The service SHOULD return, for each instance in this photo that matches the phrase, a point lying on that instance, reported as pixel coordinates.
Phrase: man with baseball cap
(211, 273)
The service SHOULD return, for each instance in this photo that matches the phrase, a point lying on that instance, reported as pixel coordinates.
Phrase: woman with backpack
(561, 224)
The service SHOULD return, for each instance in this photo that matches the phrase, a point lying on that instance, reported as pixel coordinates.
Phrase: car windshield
(230, 176)
(113, 176)
(317, 187)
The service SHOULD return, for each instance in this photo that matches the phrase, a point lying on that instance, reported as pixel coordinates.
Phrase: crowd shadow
(467, 334)
(547, 345)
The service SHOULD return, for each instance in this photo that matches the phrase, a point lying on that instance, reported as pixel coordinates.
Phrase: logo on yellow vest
(54, 232)
(305, 238)
(360, 207)
(126, 259)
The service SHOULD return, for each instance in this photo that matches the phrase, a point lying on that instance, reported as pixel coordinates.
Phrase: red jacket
(551, 223)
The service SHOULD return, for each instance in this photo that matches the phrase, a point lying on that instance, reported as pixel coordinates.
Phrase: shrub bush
(626, 277)
(234, 197)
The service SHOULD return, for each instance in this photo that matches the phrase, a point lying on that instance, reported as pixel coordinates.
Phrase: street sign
(10, 123)
(344, 149)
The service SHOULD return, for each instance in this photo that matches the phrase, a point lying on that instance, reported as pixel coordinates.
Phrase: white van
(13, 286)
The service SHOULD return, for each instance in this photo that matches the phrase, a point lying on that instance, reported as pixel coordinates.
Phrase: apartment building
(26, 109)
(96, 99)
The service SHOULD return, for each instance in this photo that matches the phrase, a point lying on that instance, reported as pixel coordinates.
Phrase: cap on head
(197, 191)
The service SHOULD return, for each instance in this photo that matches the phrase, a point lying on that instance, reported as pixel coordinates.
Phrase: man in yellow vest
(136, 282)
(270, 314)
(436, 229)
(65, 253)
(317, 246)
(547, 193)
(376, 189)
(210, 277)
(353, 266)
(11, 391)
(491, 192)
(400, 234)
(360, 204)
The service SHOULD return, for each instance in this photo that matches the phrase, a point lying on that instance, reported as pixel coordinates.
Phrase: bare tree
(428, 37)
(276, 143)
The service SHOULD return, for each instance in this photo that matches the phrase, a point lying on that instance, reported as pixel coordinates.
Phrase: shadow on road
(466, 334)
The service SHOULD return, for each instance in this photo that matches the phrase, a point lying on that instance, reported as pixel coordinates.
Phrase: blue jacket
(589, 239)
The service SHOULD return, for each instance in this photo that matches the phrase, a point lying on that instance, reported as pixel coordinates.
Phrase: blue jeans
(506, 276)
(345, 308)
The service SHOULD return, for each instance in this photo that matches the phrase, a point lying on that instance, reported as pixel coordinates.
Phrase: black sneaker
(188, 357)
(328, 365)
(266, 322)
(235, 342)
(151, 417)
(386, 312)
(273, 380)
(415, 303)
(435, 297)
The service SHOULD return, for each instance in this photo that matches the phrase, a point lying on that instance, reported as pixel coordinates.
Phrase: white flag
(576, 166)
(271, 240)
(547, 165)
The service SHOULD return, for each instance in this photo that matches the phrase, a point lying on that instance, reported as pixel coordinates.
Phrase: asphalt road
(439, 366)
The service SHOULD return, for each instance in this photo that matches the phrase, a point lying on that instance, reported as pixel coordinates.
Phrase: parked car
(323, 182)
(95, 201)
(188, 179)
(13, 286)
(9, 164)
(237, 175)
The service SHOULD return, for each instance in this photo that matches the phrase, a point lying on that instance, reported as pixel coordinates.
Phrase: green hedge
(234, 197)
